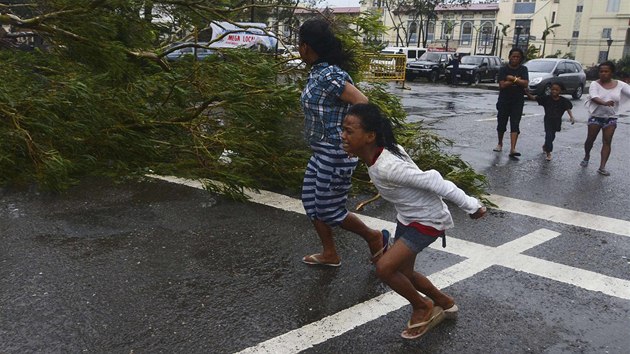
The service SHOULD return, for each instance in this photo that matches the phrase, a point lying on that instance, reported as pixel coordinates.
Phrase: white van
(412, 53)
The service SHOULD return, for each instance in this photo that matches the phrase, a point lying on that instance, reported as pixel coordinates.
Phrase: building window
(524, 7)
(431, 31)
(579, 8)
(412, 31)
(602, 56)
(613, 6)
(466, 37)
(553, 17)
(575, 34)
(485, 37)
(606, 32)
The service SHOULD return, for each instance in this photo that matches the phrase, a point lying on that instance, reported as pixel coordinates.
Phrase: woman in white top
(605, 95)
(422, 215)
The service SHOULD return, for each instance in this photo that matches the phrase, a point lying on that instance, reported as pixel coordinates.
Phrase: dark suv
(476, 68)
(431, 65)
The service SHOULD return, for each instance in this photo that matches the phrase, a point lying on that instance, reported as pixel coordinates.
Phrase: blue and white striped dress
(327, 178)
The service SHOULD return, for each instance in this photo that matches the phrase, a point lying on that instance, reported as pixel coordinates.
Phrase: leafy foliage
(98, 99)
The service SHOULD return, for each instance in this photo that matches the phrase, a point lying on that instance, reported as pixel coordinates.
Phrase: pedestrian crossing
(478, 257)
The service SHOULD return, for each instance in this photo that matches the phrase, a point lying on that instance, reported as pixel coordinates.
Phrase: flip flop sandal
(451, 312)
(584, 163)
(498, 148)
(314, 260)
(515, 154)
(603, 172)
(436, 317)
(382, 251)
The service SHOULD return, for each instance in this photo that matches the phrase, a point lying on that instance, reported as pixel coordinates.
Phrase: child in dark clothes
(555, 106)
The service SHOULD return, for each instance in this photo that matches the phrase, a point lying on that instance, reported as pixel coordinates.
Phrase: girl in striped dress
(326, 98)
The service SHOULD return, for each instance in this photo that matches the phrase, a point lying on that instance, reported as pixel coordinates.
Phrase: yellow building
(588, 30)
(586, 27)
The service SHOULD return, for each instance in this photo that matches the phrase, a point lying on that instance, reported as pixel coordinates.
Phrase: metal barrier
(385, 67)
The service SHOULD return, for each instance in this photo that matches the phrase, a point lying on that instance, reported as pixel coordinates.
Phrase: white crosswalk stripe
(478, 258)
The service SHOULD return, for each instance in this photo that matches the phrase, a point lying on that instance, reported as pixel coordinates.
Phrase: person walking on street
(422, 215)
(455, 69)
(555, 106)
(513, 80)
(605, 96)
(328, 94)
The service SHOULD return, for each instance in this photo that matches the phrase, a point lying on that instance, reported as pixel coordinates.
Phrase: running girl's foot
(445, 302)
(548, 156)
(584, 163)
(421, 322)
(498, 148)
(319, 259)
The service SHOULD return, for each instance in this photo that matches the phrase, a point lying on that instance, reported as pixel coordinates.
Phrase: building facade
(585, 27)
(469, 29)
(588, 30)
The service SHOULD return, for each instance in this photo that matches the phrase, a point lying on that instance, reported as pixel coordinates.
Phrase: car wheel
(476, 79)
(578, 92)
(547, 90)
(434, 76)
(410, 77)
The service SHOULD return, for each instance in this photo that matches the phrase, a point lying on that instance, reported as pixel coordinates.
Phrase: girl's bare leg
(607, 135)
(393, 269)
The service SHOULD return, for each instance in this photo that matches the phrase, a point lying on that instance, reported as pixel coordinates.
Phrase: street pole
(609, 41)
(447, 38)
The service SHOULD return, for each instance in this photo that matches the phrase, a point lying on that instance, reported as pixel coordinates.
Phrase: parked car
(476, 68)
(411, 53)
(542, 72)
(183, 50)
(431, 65)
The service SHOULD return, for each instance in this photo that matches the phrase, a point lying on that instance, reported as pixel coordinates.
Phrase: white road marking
(479, 257)
(563, 216)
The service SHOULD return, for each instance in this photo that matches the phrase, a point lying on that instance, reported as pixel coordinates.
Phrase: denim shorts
(602, 122)
(414, 239)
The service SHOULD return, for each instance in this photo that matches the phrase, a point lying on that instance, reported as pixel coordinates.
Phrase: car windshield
(471, 60)
(435, 57)
(541, 66)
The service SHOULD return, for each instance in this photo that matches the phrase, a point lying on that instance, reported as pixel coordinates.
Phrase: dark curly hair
(318, 34)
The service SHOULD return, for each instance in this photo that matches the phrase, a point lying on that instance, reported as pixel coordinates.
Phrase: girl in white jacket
(421, 214)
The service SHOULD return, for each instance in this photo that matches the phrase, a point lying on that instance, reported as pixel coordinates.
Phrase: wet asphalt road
(157, 267)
